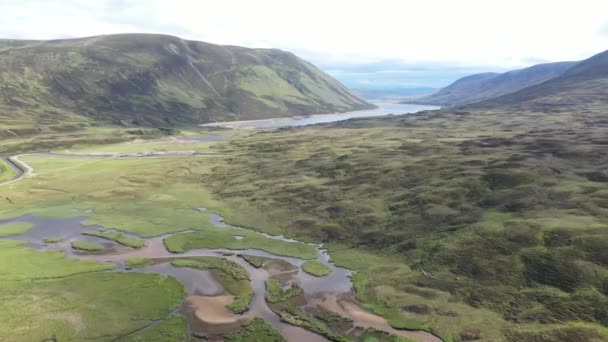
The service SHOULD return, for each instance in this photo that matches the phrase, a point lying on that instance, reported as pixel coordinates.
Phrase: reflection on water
(384, 108)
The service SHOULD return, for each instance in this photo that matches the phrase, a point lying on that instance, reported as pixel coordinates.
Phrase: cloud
(395, 74)
(468, 33)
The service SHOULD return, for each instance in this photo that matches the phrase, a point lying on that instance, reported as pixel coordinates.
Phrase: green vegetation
(316, 268)
(86, 306)
(172, 329)
(234, 278)
(290, 313)
(52, 240)
(46, 295)
(118, 237)
(6, 172)
(112, 80)
(255, 330)
(276, 293)
(154, 201)
(473, 223)
(224, 237)
(255, 261)
(87, 246)
(15, 228)
(19, 263)
(483, 86)
(441, 204)
(137, 262)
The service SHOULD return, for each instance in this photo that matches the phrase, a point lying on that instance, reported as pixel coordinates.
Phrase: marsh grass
(224, 237)
(276, 293)
(15, 228)
(137, 262)
(255, 330)
(87, 246)
(316, 268)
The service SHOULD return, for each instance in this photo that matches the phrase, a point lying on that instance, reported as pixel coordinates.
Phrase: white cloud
(462, 33)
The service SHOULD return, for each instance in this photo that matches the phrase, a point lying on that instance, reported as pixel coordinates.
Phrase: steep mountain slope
(152, 80)
(479, 87)
(582, 88)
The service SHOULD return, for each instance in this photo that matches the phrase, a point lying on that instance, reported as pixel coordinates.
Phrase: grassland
(276, 293)
(469, 224)
(255, 330)
(6, 172)
(172, 329)
(87, 246)
(316, 268)
(44, 295)
(15, 228)
(116, 80)
(118, 237)
(452, 199)
(137, 262)
(225, 237)
(234, 278)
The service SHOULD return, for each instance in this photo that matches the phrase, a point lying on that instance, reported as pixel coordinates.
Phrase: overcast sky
(416, 43)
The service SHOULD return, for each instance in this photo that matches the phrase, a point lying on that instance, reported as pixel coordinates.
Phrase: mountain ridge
(158, 80)
(483, 86)
(580, 88)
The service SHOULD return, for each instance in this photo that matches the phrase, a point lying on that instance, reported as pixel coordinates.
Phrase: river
(383, 108)
(205, 294)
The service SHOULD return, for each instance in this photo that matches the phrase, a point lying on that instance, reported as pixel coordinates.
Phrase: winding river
(204, 307)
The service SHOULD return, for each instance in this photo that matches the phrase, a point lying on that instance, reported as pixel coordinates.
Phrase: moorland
(480, 223)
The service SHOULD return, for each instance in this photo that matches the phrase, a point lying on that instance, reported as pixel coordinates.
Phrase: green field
(256, 330)
(6, 172)
(87, 246)
(467, 224)
(44, 295)
(316, 268)
(137, 262)
(225, 237)
(16, 228)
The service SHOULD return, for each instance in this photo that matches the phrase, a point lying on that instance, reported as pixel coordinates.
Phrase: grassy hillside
(499, 207)
(484, 86)
(155, 80)
(580, 90)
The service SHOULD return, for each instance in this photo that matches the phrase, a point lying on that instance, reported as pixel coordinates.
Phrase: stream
(204, 308)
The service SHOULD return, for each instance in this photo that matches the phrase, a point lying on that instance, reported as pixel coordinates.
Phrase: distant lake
(384, 108)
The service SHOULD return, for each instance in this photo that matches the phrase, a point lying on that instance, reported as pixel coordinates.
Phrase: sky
(365, 44)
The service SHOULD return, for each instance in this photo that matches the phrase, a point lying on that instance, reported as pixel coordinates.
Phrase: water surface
(384, 108)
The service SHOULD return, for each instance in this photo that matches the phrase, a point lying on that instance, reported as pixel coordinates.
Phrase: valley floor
(467, 225)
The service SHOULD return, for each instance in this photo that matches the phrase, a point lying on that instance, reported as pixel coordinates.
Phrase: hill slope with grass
(581, 89)
(484, 86)
(486, 222)
(156, 80)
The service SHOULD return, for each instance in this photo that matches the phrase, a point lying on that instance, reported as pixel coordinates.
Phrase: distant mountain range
(485, 86)
(389, 94)
(581, 88)
(156, 80)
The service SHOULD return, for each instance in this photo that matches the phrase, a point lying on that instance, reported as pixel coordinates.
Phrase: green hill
(484, 86)
(582, 89)
(156, 80)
